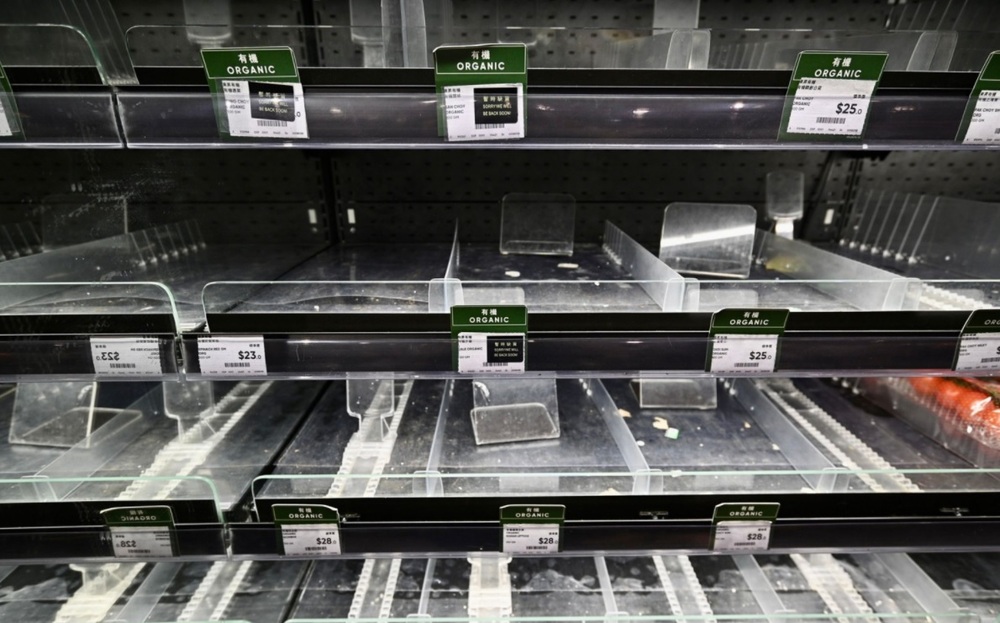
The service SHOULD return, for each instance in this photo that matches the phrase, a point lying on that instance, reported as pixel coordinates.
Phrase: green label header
(304, 514)
(839, 66)
(749, 321)
(532, 513)
(489, 319)
(983, 321)
(490, 60)
(765, 511)
(250, 63)
(138, 516)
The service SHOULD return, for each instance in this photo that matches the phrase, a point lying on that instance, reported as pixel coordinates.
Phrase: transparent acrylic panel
(44, 45)
(57, 414)
(678, 49)
(414, 297)
(710, 239)
(514, 410)
(96, 488)
(81, 298)
(676, 393)
(365, 117)
(778, 49)
(537, 223)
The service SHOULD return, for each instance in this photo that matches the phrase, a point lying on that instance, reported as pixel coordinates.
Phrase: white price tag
(978, 352)
(311, 539)
(828, 106)
(126, 356)
(265, 109)
(141, 542)
(232, 356)
(484, 112)
(490, 353)
(984, 127)
(744, 354)
(744, 536)
(4, 124)
(531, 538)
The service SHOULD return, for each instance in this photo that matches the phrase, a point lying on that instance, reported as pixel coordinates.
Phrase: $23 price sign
(232, 356)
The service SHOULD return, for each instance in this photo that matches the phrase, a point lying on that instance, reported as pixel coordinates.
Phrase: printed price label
(307, 530)
(531, 538)
(979, 345)
(744, 354)
(978, 352)
(830, 94)
(311, 540)
(981, 120)
(490, 353)
(742, 535)
(484, 112)
(743, 527)
(481, 91)
(232, 356)
(257, 92)
(745, 341)
(126, 356)
(141, 532)
(831, 106)
(984, 125)
(531, 528)
(141, 543)
(489, 340)
(265, 109)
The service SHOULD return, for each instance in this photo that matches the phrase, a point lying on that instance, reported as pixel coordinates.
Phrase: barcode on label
(535, 547)
(990, 360)
(122, 366)
(237, 364)
(490, 126)
(495, 364)
(831, 120)
(271, 123)
(747, 364)
(315, 549)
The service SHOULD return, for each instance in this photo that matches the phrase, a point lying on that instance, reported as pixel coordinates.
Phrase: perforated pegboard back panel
(244, 196)
(417, 196)
(155, 33)
(964, 174)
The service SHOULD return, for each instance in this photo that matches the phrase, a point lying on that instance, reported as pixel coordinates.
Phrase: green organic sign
(765, 511)
(138, 516)
(489, 338)
(256, 92)
(749, 321)
(829, 95)
(481, 91)
(285, 514)
(533, 513)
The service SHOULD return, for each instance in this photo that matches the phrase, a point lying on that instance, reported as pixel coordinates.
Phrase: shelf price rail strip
(852, 453)
(379, 453)
(183, 455)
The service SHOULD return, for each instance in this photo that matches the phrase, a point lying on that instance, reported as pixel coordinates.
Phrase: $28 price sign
(537, 538)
